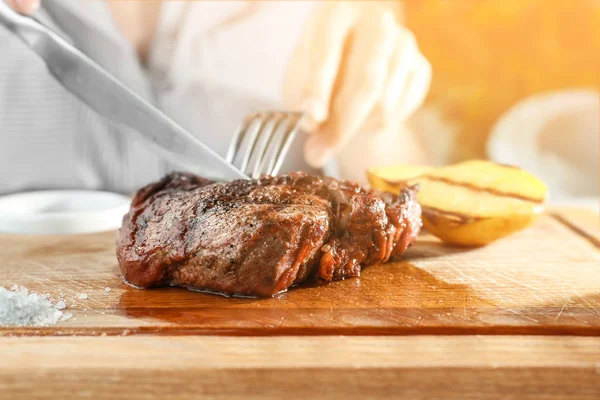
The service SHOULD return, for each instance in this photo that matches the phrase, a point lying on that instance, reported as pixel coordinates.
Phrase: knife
(108, 97)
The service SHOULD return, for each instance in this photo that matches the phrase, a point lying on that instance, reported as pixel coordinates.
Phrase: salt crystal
(66, 316)
(107, 289)
(61, 305)
(83, 296)
(19, 307)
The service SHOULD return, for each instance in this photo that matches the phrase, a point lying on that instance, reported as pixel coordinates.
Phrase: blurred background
(516, 81)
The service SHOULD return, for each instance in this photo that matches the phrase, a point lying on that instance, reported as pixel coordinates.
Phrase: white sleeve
(50, 140)
(213, 62)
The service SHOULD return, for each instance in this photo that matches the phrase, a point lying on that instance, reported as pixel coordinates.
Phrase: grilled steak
(260, 237)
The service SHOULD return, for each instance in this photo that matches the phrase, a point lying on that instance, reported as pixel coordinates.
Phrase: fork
(262, 141)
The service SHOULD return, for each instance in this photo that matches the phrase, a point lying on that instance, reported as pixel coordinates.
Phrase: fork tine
(262, 142)
(269, 161)
(237, 139)
(253, 130)
(296, 119)
(266, 135)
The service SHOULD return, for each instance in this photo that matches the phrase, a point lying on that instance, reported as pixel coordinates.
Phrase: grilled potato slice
(472, 203)
(394, 177)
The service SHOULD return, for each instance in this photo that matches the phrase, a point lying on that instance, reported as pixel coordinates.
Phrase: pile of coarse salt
(19, 307)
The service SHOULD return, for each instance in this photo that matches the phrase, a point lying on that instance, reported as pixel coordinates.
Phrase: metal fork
(262, 141)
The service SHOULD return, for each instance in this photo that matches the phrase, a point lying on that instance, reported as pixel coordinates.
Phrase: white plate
(555, 137)
(62, 212)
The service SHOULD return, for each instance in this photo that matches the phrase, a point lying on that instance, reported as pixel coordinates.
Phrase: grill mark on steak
(258, 238)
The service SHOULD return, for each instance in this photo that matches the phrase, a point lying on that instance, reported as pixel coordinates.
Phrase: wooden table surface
(517, 319)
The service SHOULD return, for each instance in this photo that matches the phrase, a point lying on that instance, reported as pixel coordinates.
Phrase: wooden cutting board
(544, 280)
(507, 320)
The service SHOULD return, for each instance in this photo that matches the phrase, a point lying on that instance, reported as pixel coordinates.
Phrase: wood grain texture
(583, 223)
(543, 281)
(414, 367)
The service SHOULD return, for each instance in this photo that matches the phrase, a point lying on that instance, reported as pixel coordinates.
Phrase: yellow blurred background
(488, 54)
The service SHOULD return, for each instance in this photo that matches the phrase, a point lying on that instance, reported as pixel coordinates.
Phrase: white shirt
(211, 63)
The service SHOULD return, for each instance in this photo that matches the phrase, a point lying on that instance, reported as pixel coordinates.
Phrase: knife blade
(110, 98)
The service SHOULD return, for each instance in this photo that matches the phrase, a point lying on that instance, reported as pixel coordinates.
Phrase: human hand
(355, 69)
(24, 6)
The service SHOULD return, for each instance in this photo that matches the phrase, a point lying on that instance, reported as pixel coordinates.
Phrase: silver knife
(104, 94)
